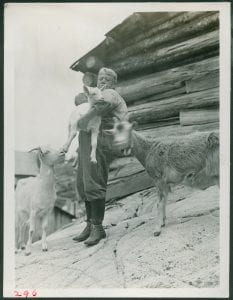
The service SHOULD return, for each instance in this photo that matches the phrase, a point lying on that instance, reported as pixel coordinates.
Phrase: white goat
(191, 159)
(94, 94)
(35, 199)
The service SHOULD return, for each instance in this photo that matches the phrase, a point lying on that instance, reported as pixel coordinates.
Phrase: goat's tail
(212, 157)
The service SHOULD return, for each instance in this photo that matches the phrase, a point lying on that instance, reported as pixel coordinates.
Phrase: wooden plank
(178, 130)
(26, 164)
(137, 24)
(158, 124)
(177, 29)
(172, 53)
(199, 116)
(167, 94)
(128, 185)
(157, 110)
(201, 83)
(172, 20)
(161, 82)
(123, 167)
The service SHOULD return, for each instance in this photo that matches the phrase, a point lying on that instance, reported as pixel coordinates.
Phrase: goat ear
(108, 131)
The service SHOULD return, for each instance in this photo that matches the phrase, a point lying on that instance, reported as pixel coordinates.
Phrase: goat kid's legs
(94, 136)
(161, 207)
(32, 223)
(44, 227)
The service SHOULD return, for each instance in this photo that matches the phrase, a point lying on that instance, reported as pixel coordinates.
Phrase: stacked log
(168, 74)
(199, 116)
(167, 56)
(154, 38)
(168, 80)
(161, 109)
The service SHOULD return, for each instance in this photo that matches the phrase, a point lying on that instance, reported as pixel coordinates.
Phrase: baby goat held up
(190, 159)
(94, 94)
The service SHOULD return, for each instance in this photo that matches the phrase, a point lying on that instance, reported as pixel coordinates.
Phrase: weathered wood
(178, 130)
(199, 116)
(127, 26)
(155, 22)
(173, 92)
(193, 24)
(136, 25)
(152, 19)
(109, 41)
(174, 20)
(160, 82)
(157, 110)
(110, 45)
(124, 166)
(128, 185)
(178, 52)
(26, 163)
(89, 79)
(159, 123)
(204, 82)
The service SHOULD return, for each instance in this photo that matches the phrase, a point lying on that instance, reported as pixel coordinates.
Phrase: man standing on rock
(92, 178)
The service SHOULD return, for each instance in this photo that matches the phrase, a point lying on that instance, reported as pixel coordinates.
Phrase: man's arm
(100, 108)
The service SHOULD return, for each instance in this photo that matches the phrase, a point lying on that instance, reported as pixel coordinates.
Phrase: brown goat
(191, 159)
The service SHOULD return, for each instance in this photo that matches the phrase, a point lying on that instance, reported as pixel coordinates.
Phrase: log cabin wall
(168, 73)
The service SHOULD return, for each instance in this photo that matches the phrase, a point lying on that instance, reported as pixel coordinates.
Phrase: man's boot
(97, 216)
(87, 230)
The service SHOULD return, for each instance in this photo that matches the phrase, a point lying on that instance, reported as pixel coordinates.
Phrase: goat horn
(34, 149)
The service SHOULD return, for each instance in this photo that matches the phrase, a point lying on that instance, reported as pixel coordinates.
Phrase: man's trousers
(92, 178)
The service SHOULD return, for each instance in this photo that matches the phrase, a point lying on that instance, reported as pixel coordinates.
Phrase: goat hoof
(27, 253)
(157, 233)
(44, 248)
(94, 161)
(23, 247)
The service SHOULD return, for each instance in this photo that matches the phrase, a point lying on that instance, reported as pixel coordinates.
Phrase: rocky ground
(186, 254)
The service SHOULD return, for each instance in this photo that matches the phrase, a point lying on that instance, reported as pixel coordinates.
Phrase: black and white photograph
(116, 149)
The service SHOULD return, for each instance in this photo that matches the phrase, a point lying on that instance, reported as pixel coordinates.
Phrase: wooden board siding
(199, 116)
(26, 164)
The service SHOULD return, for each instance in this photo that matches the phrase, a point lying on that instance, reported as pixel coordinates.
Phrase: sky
(46, 39)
